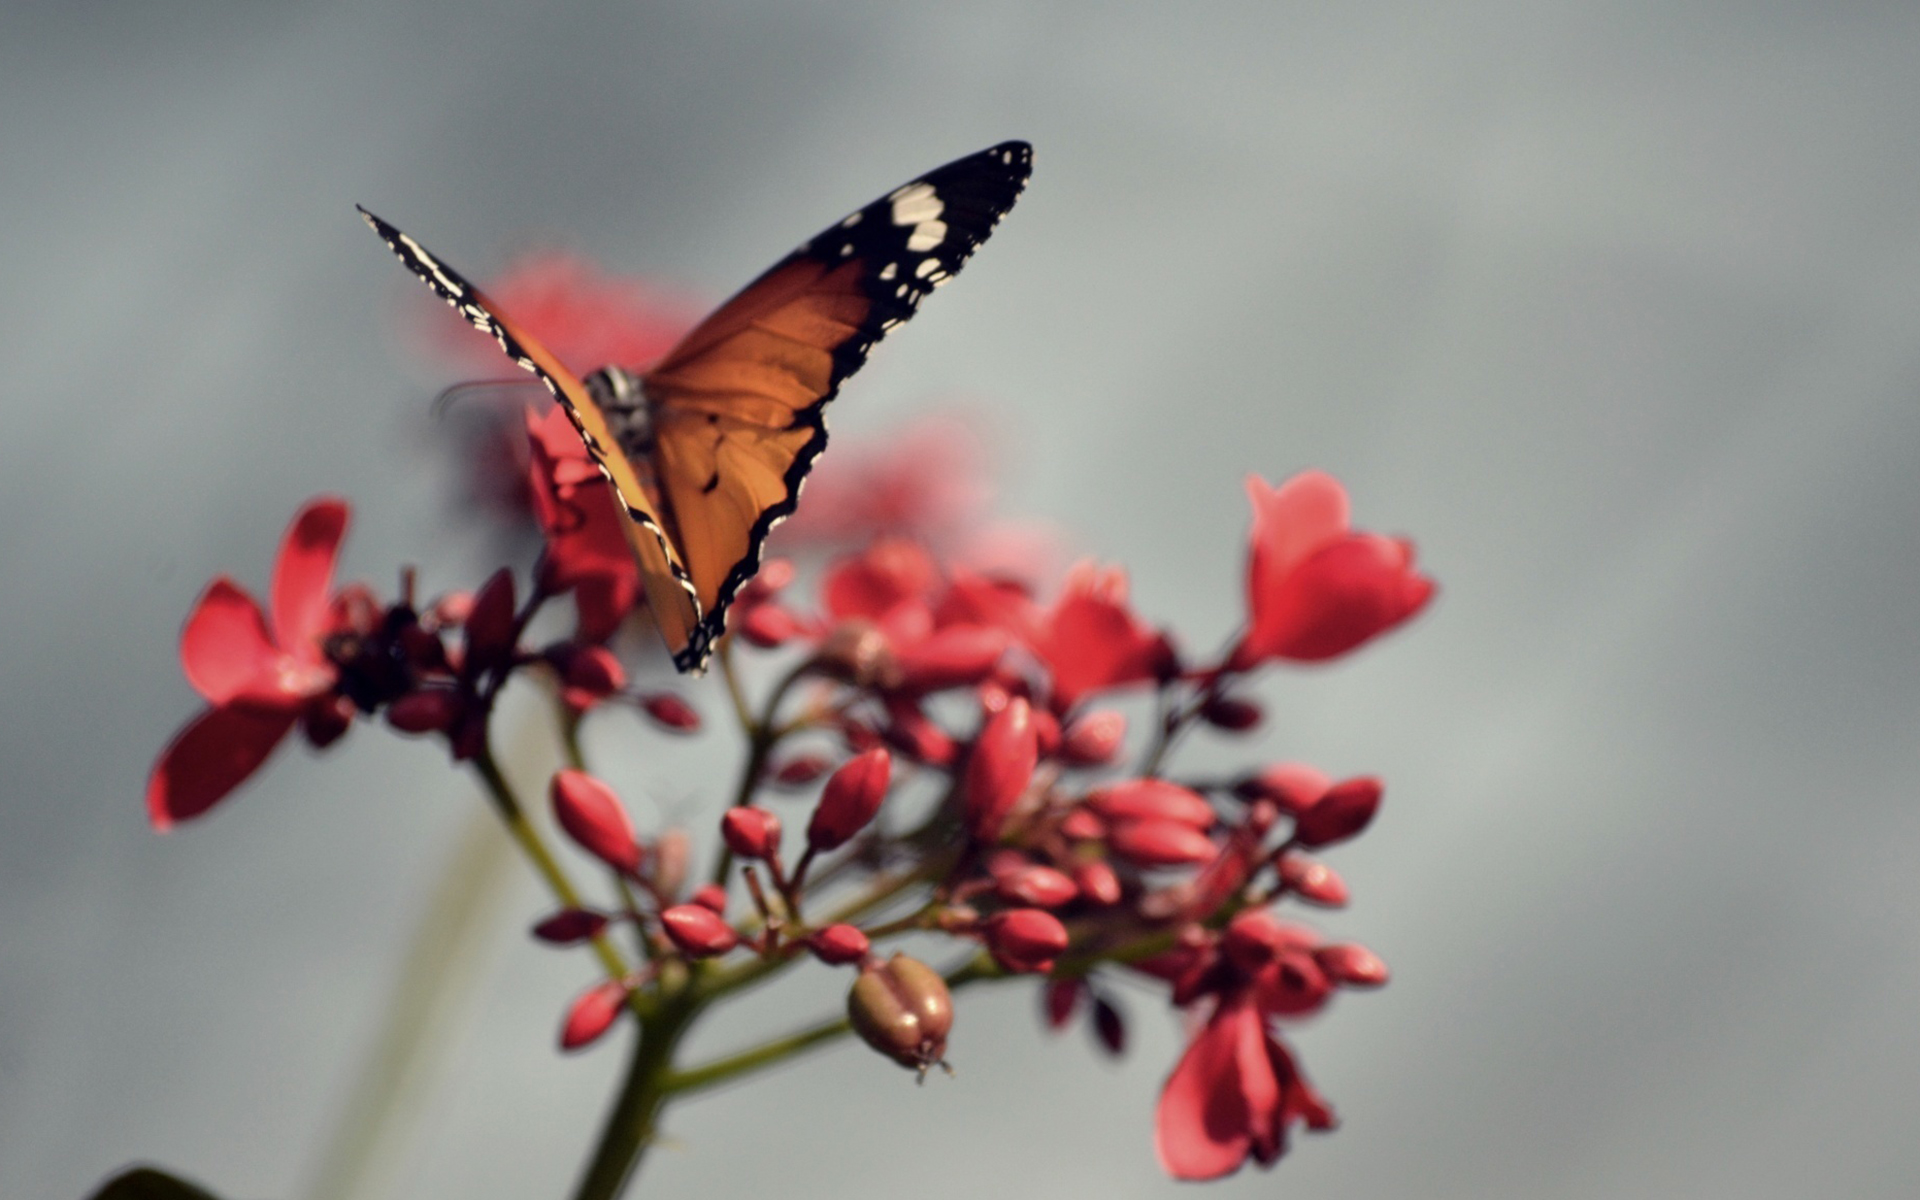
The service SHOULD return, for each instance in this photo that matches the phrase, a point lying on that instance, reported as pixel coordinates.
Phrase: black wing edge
(978, 190)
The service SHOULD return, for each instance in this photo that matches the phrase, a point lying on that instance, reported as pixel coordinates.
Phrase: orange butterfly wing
(738, 407)
(670, 593)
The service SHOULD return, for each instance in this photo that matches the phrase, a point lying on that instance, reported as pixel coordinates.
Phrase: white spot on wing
(851, 221)
(916, 203)
(927, 267)
(890, 270)
(926, 235)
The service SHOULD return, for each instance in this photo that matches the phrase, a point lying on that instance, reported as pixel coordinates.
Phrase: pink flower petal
(209, 758)
(303, 576)
(1291, 521)
(1222, 1088)
(225, 645)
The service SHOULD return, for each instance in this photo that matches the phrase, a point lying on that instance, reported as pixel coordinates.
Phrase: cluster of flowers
(969, 765)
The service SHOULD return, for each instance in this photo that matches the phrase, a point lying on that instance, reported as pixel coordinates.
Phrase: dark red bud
(326, 720)
(1231, 713)
(1313, 881)
(901, 1007)
(1094, 740)
(1059, 998)
(431, 710)
(1109, 1026)
(850, 800)
(710, 896)
(1152, 800)
(671, 712)
(588, 674)
(1025, 939)
(489, 627)
(1041, 887)
(1098, 883)
(592, 1013)
(1343, 812)
(958, 656)
(594, 818)
(698, 931)
(1160, 843)
(838, 945)
(1351, 965)
(570, 925)
(999, 769)
(800, 770)
(768, 626)
(751, 832)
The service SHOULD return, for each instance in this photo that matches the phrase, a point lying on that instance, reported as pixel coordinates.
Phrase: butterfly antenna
(448, 395)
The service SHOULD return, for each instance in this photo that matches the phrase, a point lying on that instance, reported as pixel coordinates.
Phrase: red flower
(1315, 588)
(1092, 641)
(257, 682)
(586, 545)
(585, 316)
(1234, 1094)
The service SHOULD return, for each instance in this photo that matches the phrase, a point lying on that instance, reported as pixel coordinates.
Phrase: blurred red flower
(257, 682)
(1091, 641)
(1315, 588)
(587, 317)
(587, 549)
(1234, 1094)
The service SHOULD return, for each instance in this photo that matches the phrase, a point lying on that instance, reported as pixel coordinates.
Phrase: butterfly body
(707, 449)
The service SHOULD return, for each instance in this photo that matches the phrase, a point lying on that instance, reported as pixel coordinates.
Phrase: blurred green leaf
(145, 1183)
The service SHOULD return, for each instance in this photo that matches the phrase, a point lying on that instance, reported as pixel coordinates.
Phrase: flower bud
(958, 656)
(671, 712)
(837, 945)
(850, 800)
(1160, 843)
(857, 651)
(1343, 812)
(430, 710)
(588, 674)
(1098, 883)
(1081, 825)
(1313, 881)
(710, 895)
(800, 770)
(698, 931)
(592, 1013)
(489, 628)
(1040, 887)
(670, 852)
(768, 626)
(1046, 732)
(773, 576)
(1255, 938)
(1231, 713)
(1025, 939)
(915, 735)
(1351, 965)
(1294, 787)
(1152, 800)
(570, 926)
(1109, 1026)
(751, 832)
(1059, 998)
(1094, 739)
(901, 1007)
(1292, 983)
(999, 769)
(326, 720)
(595, 819)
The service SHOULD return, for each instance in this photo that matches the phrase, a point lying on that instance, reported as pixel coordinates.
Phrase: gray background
(1614, 306)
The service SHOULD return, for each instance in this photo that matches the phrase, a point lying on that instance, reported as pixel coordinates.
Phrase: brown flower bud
(857, 651)
(901, 1007)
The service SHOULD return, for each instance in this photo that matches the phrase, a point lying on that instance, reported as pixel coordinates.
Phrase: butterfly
(706, 451)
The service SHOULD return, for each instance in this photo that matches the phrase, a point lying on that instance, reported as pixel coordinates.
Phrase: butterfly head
(624, 404)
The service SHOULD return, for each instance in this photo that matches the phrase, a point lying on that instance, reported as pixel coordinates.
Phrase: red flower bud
(710, 895)
(592, 1013)
(918, 737)
(850, 800)
(1313, 881)
(595, 819)
(1025, 939)
(751, 832)
(1255, 938)
(1097, 883)
(999, 769)
(698, 931)
(570, 925)
(1152, 800)
(1160, 843)
(837, 945)
(1351, 965)
(768, 626)
(431, 710)
(958, 656)
(489, 641)
(1231, 713)
(1046, 732)
(1041, 887)
(1109, 1026)
(1292, 787)
(1292, 983)
(588, 674)
(326, 720)
(671, 712)
(1082, 826)
(1342, 813)
(1059, 998)
(800, 770)
(1094, 739)
(901, 1007)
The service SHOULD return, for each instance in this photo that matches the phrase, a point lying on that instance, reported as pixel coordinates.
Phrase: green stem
(634, 1121)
